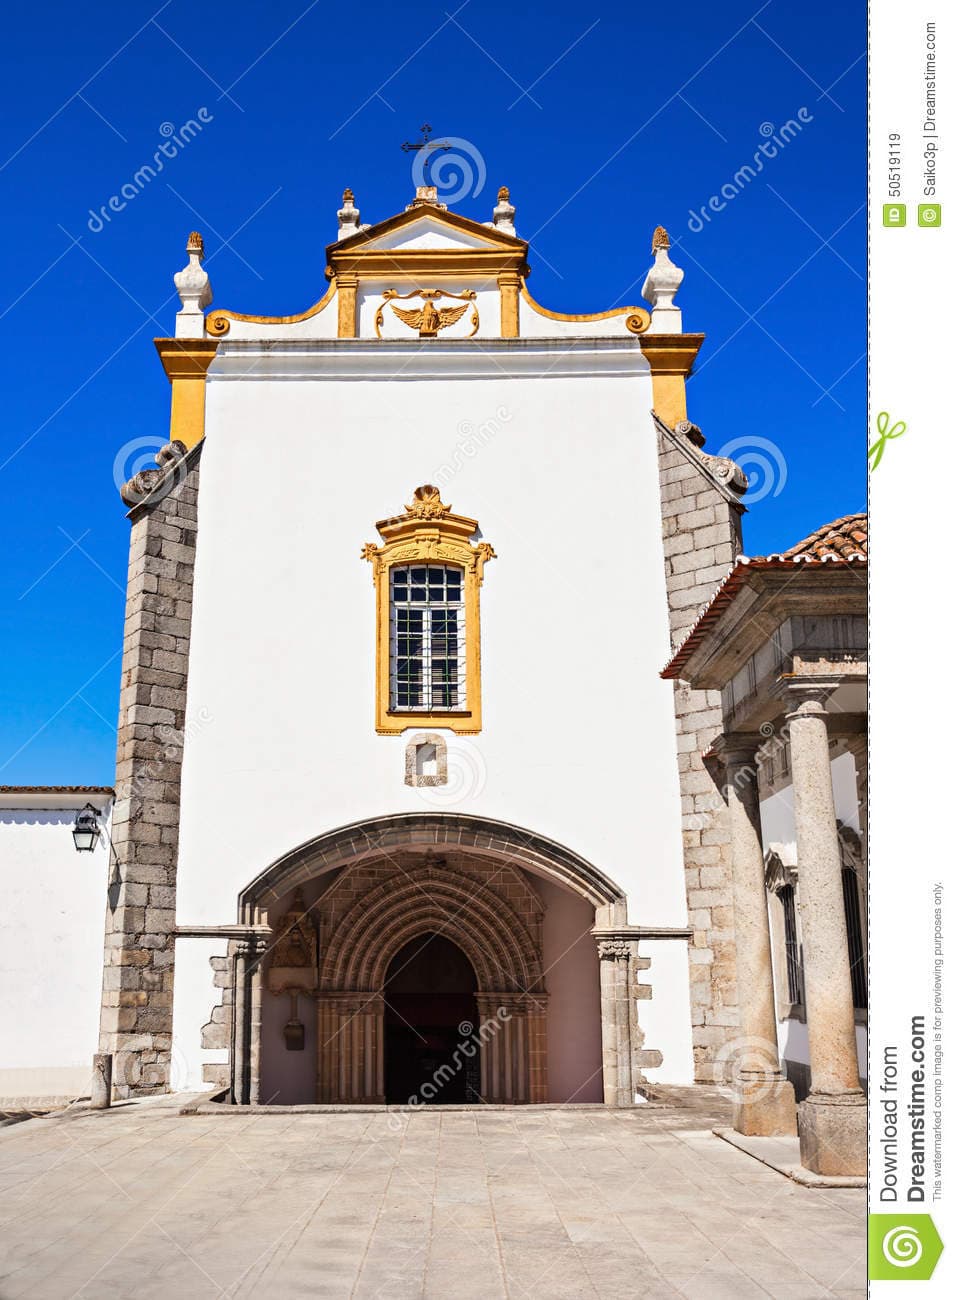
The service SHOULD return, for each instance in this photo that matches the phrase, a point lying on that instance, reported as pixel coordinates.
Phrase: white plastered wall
(51, 954)
(552, 448)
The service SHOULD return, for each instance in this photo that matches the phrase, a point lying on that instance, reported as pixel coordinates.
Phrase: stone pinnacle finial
(195, 293)
(426, 196)
(348, 215)
(661, 285)
(503, 215)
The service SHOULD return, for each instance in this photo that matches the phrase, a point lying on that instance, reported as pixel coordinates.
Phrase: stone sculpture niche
(293, 966)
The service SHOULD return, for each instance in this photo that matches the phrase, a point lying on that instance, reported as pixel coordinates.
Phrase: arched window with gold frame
(427, 574)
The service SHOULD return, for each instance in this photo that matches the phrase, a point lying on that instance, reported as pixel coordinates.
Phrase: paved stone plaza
(143, 1201)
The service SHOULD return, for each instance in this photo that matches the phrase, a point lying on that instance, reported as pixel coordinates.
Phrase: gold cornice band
(427, 263)
(672, 358)
(186, 362)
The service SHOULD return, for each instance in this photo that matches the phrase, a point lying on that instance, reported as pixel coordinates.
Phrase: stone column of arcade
(833, 1120)
(615, 972)
(239, 1040)
(255, 965)
(764, 1100)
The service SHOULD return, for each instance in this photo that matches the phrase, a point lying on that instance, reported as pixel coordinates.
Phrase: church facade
(405, 810)
(402, 583)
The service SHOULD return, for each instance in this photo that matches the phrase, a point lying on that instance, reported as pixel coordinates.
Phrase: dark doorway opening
(431, 1025)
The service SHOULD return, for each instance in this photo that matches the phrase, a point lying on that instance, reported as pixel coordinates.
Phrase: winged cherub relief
(428, 319)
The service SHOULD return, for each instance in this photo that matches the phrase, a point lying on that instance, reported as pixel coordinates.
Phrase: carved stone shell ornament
(427, 503)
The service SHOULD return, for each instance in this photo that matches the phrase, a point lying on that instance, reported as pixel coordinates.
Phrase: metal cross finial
(429, 146)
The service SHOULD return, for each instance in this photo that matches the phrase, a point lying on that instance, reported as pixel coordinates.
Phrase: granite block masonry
(136, 1019)
(701, 526)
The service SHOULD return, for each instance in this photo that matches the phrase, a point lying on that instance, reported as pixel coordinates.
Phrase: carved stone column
(833, 1119)
(764, 1100)
(616, 1016)
(240, 1033)
(255, 965)
(351, 1055)
(512, 1044)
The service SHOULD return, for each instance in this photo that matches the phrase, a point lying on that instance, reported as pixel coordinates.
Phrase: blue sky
(605, 120)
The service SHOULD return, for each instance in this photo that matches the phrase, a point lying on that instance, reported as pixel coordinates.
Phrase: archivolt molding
(437, 899)
(380, 837)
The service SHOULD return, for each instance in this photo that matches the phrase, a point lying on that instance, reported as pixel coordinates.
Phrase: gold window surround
(428, 532)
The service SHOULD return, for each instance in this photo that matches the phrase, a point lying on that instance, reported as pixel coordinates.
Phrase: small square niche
(426, 760)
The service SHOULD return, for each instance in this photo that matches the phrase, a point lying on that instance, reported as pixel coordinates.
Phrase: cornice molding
(399, 360)
(671, 354)
(186, 358)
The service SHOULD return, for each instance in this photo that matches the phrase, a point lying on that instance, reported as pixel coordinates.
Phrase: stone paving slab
(143, 1201)
(784, 1155)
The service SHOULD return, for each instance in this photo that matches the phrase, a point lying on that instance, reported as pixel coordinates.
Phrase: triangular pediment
(427, 231)
(423, 231)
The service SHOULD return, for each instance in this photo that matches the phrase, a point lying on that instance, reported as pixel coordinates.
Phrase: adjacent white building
(51, 950)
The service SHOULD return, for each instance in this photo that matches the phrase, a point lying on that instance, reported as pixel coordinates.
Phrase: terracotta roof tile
(842, 542)
(56, 789)
(844, 539)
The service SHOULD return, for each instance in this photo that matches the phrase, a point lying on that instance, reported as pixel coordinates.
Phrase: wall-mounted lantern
(86, 829)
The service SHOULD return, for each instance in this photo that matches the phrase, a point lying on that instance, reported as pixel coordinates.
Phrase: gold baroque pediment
(428, 530)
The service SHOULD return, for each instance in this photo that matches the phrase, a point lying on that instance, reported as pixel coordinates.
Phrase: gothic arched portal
(384, 890)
